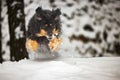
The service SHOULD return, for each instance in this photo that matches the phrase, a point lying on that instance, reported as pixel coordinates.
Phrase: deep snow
(62, 69)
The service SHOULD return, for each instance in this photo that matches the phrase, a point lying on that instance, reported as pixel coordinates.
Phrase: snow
(5, 30)
(62, 69)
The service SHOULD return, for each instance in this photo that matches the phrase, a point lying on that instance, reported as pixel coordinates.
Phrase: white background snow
(76, 48)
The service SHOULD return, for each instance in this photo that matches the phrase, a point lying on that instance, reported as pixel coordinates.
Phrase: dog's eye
(39, 18)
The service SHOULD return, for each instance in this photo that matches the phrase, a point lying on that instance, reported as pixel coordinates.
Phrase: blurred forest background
(90, 28)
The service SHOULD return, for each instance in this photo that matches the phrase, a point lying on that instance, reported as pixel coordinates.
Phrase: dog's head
(48, 22)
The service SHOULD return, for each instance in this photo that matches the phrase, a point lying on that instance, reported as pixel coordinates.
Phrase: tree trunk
(0, 36)
(16, 20)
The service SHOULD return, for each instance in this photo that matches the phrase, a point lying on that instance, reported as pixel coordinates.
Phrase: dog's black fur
(38, 22)
(47, 17)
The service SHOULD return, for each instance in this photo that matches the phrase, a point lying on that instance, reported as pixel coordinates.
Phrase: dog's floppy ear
(57, 11)
(38, 10)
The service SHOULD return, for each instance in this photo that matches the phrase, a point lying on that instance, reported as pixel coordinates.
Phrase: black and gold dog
(44, 30)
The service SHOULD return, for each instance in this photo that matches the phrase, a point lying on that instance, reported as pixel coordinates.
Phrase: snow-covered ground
(62, 69)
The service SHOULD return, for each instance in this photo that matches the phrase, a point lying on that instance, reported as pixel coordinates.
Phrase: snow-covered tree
(0, 36)
(16, 20)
